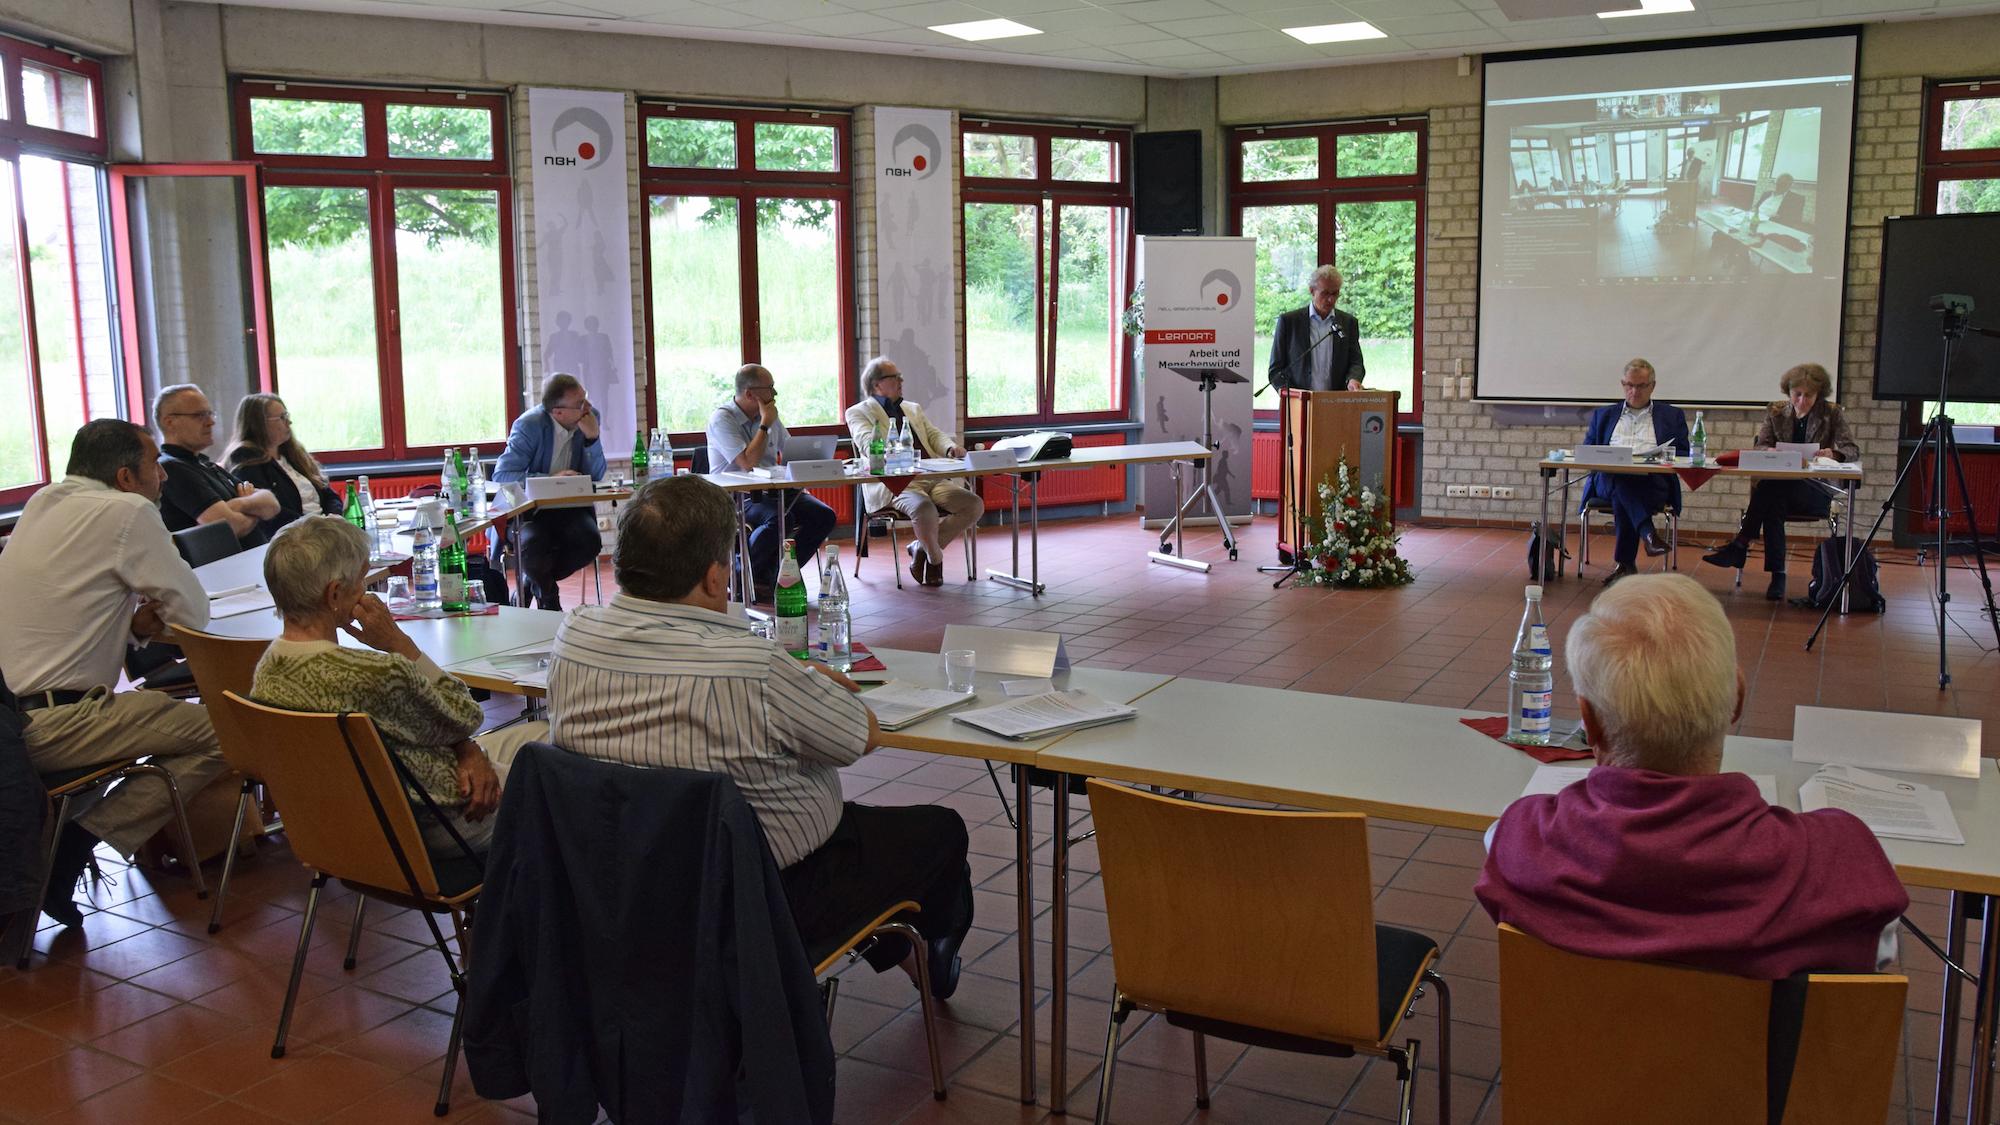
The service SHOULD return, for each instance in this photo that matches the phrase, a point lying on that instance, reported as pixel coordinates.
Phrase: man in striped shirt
(662, 676)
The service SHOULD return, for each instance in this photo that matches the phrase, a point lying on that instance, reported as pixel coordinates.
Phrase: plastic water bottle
(478, 482)
(790, 603)
(835, 644)
(1531, 679)
(380, 538)
(424, 571)
(899, 447)
(660, 459)
(1698, 442)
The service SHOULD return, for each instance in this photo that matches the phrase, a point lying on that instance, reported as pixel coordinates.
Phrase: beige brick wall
(1462, 443)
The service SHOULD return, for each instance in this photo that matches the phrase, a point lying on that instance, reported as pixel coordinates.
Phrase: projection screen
(1688, 205)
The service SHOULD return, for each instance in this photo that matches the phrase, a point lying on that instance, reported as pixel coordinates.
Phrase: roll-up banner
(1200, 312)
(583, 250)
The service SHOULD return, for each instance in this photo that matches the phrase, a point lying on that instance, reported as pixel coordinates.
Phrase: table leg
(1032, 583)
(1024, 891)
(746, 583)
(1985, 1010)
(1547, 573)
(1947, 1071)
(1059, 948)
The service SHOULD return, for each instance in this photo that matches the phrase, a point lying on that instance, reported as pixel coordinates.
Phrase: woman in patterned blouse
(315, 571)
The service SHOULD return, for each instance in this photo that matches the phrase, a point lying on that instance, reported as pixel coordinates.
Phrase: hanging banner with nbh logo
(916, 301)
(1200, 312)
(583, 251)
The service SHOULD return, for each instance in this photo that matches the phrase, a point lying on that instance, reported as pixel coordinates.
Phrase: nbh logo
(914, 153)
(591, 150)
(1220, 288)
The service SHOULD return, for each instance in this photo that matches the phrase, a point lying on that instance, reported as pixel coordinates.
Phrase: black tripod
(1943, 446)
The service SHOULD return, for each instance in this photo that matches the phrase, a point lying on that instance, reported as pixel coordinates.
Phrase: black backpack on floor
(1864, 592)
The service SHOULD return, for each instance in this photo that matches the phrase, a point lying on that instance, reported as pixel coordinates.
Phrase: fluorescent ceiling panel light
(1651, 8)
(986, 29)
(1336, 32)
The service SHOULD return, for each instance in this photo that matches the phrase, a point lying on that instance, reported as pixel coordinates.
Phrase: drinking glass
(763, 627)
(958, 670)
(475, 596)
(398, 592)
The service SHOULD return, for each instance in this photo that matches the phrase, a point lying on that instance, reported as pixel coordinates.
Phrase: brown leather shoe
(933, 571)
(1650, 540)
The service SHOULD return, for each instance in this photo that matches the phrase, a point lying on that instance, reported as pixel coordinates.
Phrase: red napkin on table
(489, 611)
(1496, 728)
(864, 661)
(1695, 478)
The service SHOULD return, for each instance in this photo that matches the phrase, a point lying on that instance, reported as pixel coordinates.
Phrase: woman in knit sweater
(315, 571)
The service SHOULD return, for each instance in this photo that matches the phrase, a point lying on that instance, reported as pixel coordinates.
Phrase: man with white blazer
(940, 508)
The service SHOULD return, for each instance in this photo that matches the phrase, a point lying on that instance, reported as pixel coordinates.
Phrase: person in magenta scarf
(1657, 855)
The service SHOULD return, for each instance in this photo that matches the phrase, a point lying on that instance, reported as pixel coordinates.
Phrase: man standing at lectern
(1318, 347)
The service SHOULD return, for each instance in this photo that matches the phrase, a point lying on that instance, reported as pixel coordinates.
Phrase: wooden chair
(347, 817)
(893, 922)
(1258, 927)
(223, 664)
(64, 787)
(1588, 1039)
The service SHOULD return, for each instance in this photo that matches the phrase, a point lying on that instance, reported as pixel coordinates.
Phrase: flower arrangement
(1350, 542)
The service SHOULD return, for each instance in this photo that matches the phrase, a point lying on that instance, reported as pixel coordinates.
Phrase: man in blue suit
(1641, 423)
(557, 438)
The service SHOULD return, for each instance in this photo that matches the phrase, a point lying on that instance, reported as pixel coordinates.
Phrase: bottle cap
(1534, 591)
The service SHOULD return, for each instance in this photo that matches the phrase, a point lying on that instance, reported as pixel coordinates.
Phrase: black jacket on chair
(635, 951)
(269, 474)
(23, 805)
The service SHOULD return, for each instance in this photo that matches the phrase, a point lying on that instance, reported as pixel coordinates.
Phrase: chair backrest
(222, 664)
(1255, 917)
(698, 460)
(206, 542)
(1587, 1039)
(344, 803)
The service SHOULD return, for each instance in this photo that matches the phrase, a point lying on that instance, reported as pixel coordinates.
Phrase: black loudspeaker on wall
(1166, 183)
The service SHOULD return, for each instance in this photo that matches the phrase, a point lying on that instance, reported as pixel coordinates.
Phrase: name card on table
(990, 458)
(1880, 740)
(1770, 459)
(833, 470)
(1009, 652)
(1602, 455)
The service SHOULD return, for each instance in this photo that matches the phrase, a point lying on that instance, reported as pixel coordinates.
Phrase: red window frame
(18, 139)
(381, 175)
(747, 184)
(1044, 189)
(1326, 190)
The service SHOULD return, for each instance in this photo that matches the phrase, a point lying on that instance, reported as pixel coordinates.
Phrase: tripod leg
(1972, 521)
(1903, 477)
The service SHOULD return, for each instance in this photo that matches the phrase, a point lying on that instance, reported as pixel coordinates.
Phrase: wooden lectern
(1316, 430)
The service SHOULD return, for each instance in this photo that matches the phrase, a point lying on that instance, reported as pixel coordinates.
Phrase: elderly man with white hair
(940, 509)
(1318, 347)
(316, 571)
(1658, 855)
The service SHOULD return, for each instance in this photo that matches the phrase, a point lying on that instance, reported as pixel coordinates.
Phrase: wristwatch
(764, 427)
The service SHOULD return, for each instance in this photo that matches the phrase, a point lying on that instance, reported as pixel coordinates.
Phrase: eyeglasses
(1635, 386)
(208, 414)
(285, 418)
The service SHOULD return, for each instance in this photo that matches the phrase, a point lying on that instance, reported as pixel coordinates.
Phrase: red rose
(1340, 527)
(1353, 501)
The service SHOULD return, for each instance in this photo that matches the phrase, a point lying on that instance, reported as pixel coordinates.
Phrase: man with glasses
(745, 434)
(557, 438)
(197, 490)
(1641, 423)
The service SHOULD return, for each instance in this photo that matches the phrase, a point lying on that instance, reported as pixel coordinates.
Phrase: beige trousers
(108, 727)
(940, 511)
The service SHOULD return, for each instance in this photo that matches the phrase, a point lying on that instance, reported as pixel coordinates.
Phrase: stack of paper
(899, 703)
(1900, 810)
(940, 464)
(1039, 716)
(243, 599)
(528, 668)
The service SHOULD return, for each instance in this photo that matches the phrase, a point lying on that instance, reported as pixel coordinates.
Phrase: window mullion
(389, 319)
(747, 298)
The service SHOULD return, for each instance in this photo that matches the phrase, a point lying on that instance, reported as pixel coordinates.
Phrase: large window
(1743, 159)
(1362, 211)
(1583, 160)
(1961, 176)
(1048, 244)
(56, 346)
(747, 260)
(1629, 150)
(388, 216)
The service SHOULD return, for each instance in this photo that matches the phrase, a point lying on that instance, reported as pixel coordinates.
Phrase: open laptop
(816, 448)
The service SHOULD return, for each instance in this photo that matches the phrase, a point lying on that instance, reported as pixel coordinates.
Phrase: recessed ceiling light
(1336, 32)
(1651, 8)
(986, 29)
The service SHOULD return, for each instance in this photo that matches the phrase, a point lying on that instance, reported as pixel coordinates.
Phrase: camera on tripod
(1952, 304)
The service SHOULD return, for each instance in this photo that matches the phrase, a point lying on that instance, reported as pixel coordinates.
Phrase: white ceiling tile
(1766, 14)
(1228, 44)
(1027, 7)
(1403, 9)
(849, 24)
(930, 15)
(1080, 18)
(1203, 27)
(1159, 11)
(1459, 21)
(1119, 36)
(1157, 48)
(782, 9)
(561, 8)
(1484, 37)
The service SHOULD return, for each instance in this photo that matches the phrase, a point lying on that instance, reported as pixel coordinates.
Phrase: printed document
(1038, 716)
(1900, 810)
(899, 703)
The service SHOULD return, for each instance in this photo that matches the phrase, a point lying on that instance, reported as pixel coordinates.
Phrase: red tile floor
(143, 1017)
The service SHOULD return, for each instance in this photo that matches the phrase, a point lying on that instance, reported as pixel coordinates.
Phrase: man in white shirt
(940, 508)
(89, 572)
(743, 434)
(662, 676)
(1639, 422)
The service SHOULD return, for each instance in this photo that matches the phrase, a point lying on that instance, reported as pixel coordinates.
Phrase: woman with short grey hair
(316, 571)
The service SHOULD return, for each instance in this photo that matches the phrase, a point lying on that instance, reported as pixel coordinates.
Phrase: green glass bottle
(452, 576)
(353, 513)
(642, 462)
(790, 603)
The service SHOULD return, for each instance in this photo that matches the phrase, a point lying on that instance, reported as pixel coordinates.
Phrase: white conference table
(1420, 764)
(1846, 478)
(1023, 475)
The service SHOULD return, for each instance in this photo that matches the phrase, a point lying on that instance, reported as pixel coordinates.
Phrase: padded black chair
(1598, 505)
(205, 543)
